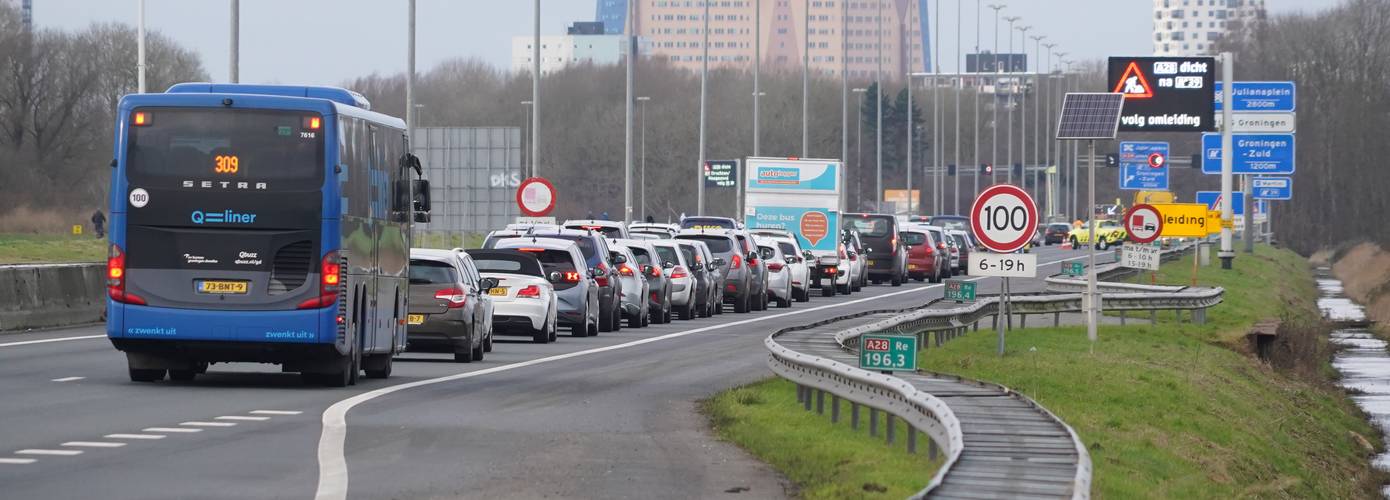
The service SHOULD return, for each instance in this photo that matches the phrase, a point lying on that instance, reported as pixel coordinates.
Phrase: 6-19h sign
(888, 352)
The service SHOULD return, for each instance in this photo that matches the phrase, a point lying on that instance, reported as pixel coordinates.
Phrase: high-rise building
(26, 13)
(1193, 27)
(672, 29)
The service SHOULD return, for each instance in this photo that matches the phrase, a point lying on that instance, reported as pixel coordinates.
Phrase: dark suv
(741, 279)
(597, 256)
(887, 255)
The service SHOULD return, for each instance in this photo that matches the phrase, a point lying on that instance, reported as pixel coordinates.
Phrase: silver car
(635, 286)
(649, 265)
(677, 270)
(576, 293)
(779, 272)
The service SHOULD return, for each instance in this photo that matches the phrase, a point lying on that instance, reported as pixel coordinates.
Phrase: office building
(1193, 27)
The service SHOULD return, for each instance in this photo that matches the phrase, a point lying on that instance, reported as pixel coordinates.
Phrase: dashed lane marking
(275, 412)
(61, 453)
(93, 444)
(242, 418)
(68, 379)
(134, 436)
(171, 429)
(48, 341)
(208, 424)
(17, 461)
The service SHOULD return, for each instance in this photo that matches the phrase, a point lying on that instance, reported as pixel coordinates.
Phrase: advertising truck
(800, 196)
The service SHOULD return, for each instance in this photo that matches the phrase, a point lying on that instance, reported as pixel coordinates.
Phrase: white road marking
(68, 379)
(275, 412)
(17, 461)
(93, 444)
(333, 474)
(171, 429)
(134, 436)
(45, 341)
(243, 418)
(208, 424)
(64, 453)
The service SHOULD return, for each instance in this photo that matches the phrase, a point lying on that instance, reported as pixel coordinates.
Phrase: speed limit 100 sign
(535, 197)
(1004, 218)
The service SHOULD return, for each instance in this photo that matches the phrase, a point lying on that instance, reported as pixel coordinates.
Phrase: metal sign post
(1003, 218)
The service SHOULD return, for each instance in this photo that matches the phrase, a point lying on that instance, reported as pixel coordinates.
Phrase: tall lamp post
(1047, 129)
(1022, 108)
(530, 167)
(1009, 106)
(994, 101)
(1037, 110)
(704, 81)
(643, 164)
(859, 143)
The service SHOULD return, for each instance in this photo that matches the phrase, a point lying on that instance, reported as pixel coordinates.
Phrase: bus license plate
(223, 287)
(415, 319)
(498, 291)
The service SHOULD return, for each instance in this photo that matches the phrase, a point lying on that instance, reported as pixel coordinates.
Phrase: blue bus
(260, 223)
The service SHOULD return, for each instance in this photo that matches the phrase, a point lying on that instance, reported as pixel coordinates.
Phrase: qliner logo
(222, 217)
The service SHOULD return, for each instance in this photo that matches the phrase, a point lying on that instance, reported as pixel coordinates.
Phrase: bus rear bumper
(220, 336)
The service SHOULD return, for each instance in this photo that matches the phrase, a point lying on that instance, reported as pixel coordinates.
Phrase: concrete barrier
(46, 295)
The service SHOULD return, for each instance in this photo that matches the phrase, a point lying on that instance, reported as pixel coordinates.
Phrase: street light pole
(955, 179)
(757, 71)
(844, 103)
(1039, 81)
(1023, 110)
(535, 94)
(1047, 135)
(858, 143)
(530, 166)
(878, 106)
(910, 165)
(630, 41)
(233, 73)
(938, 134)
(805, 80)
(704, 81)
(643, 178)
(994, 101)
(410, 73)
(1008, 106)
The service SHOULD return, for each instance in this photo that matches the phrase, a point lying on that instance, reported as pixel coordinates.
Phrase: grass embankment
(45, 248)
(825, 460)
(1177, 410)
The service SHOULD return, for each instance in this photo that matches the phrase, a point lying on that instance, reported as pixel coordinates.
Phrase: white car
(779, 273)
(858, 262)
(608, 228)
(800, 265)
(683, 298)
(523, 302)
(653, 230)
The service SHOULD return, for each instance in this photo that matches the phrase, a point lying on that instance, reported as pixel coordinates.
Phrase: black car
(1055, 233)
(597, 256)
(887, 256)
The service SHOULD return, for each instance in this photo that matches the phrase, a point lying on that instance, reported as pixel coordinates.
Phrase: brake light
(602, 277)
(894, 251)
(313, 122)
(680, 272)
(736, 262)
(530, 292)
(832, 270)
(625, 270)
(115, 278)
(532, 250)
(454, 296)
(330, 276)
(941, 245)
(655, 272)
(774, 266)
(140, 119)
(572, 276)
(842, 253)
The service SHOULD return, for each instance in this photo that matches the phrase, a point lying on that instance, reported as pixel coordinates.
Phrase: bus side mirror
(421, 189)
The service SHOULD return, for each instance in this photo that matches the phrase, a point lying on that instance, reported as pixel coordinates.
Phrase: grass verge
(824, 459)
(1177, 410)
(50, 248)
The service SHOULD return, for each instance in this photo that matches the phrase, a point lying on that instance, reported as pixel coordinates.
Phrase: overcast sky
(329, 41)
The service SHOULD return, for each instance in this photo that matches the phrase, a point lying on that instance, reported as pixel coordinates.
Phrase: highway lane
(614, 424)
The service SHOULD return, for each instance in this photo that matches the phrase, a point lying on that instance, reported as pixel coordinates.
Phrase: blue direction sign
(1272, 188)
(1144, 166)
(1254, 153)
(1259, 96)
(1210, 198)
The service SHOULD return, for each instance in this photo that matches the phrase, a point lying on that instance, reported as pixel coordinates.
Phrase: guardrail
(831, 369)
(46, 295)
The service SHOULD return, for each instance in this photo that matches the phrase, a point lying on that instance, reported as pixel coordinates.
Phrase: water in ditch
(1362, 360)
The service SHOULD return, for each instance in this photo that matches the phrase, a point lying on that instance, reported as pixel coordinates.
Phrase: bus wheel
(146, 375)
(379, 366)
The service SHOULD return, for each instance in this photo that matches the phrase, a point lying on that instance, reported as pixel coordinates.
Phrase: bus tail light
(330, 282)
(530, 292)
(140, 118)
(454, 296)
(115, 278)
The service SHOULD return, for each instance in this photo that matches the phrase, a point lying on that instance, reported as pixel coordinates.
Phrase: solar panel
(1090, 115)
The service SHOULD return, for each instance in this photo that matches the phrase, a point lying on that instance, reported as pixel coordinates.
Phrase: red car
(923, 259)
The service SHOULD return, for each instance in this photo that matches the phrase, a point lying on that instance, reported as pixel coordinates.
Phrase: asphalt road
(612, 416)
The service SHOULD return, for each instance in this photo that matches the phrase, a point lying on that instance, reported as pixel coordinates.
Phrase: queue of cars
(586, 277)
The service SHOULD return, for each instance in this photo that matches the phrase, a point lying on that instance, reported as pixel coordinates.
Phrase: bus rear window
(265, 149)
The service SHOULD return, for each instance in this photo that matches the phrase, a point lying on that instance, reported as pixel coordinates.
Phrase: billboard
(721, 173)
(1165, 94)
(473, 172)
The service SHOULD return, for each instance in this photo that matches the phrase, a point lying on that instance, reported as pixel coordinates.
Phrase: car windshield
(960, 240)
(586, 243)
(507, 264)
(950, 222)
(913, 238)
(429, 272)
(643, 258)
(608, 232)
(716, 244)
(688, 253)
(650, 236)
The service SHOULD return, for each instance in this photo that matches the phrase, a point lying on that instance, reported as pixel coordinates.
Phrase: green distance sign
(888, 352)
(960, 291)
(1076, 268)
